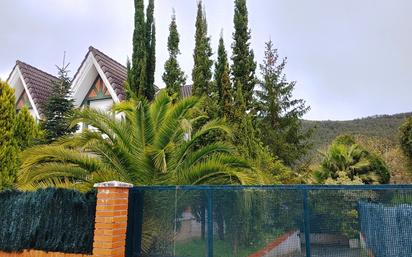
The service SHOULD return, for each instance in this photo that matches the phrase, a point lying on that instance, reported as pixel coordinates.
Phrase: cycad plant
(138, 142)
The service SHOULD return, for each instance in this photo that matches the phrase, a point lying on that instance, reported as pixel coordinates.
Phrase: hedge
(55, 220)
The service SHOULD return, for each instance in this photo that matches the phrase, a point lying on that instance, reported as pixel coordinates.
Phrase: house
(32, 87)
(98, 83)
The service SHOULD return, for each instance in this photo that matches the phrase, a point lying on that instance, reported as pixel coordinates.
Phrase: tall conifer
(149, 90)
(173, 75)
(279, 114)
(223, 86)
(58, 108)
(202, 74)
(138, 65)
(244, 65)
(9, 150)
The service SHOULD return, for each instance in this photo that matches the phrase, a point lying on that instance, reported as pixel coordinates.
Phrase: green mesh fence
(54, 220)
(268, 221)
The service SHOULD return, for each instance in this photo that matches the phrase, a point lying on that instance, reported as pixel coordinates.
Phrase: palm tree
(347, 162)
(138, 142)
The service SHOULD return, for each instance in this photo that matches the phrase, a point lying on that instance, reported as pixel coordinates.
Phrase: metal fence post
(306, 213)
(209, 223)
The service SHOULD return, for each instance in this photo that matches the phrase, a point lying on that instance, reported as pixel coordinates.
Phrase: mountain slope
(383, 126)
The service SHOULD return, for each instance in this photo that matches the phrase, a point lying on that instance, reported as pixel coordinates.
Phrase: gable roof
(115, 73)
(39, 83)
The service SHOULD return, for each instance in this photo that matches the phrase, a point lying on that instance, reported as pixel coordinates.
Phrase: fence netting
(270, 222)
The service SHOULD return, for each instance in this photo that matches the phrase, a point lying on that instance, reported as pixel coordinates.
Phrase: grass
(221, 248)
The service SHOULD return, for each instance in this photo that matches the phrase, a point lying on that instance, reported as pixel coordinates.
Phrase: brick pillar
(111, 219)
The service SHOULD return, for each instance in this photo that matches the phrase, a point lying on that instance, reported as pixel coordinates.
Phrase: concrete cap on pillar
(113, 184)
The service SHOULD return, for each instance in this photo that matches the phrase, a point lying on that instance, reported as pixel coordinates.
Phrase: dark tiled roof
(186, 91)
(116, 73)
(39, 83)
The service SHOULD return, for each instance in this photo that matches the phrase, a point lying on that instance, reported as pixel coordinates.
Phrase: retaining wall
(285, 245)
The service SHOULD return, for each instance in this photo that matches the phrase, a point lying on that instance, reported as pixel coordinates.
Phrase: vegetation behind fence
(56, 220)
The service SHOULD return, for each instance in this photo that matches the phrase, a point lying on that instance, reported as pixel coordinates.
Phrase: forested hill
(385, 126)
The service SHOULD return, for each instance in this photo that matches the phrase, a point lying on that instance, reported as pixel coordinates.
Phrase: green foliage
(346, 162)
(405, 132)
(244, 138)
(149, 90)
(278, 113)
(173, 75)
(9, 149)
(137, 72)
(28, 132)
(53, 220)
(336, 210)
(146, 147)
(201, 74)
(385, 127)
(222, 82)
(244, 66)
(59, 108)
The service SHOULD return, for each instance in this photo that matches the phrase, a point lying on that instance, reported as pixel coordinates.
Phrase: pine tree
(279, 114)
(9, 150)
(137, 79)
(244, 66)
(173, 75)
(28, 131)
(223, 86)
(202, 74)
(149, 91)
(58, 108)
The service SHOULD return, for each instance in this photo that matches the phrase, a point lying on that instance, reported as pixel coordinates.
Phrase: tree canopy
(346, 162)
(9, 149)
(279, 114)
(244, 66)
(147, 147)
(58, 108)
(173, 75)
(201, 73)
(142, 68)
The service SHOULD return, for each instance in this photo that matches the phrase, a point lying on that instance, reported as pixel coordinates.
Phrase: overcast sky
(351, 58)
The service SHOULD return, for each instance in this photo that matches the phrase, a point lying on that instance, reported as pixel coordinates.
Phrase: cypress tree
(223, 86)
(279, 114)
(27, 130)
(405, 136)
(149, 91)
(137, 79)
(202, 74)
(58, 108)
(173, 75)
(244, 66)
(9, 150)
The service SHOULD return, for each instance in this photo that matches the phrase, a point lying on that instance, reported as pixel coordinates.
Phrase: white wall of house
(16, 81)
